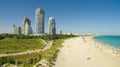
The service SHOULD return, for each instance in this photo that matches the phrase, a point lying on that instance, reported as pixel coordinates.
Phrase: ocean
(113, 41)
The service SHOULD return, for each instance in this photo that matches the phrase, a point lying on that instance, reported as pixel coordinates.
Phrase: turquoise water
(113, 41)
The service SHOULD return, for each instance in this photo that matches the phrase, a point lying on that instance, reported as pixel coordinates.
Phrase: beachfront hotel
(26, 26)
(51, 26)
(39, 21)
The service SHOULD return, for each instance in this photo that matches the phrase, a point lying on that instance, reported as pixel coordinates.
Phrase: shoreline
(80, 52)
(113, 49)
(107, 45)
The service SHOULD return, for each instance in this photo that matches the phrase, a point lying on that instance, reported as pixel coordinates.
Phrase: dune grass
(28, 60)
(11, 45)
(51, 54)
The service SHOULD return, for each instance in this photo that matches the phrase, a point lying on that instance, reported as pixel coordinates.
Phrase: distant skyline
(83, 16)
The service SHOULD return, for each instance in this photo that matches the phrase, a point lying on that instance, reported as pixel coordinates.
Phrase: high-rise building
(28, 29)
(13, 29)
(26, 26)
(39, 21)
(60, 32)
(16, 30)
(51, 26)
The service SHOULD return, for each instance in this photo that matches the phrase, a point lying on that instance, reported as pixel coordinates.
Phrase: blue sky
(84, 16)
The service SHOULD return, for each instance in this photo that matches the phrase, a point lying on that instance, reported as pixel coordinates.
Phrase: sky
(82, 16)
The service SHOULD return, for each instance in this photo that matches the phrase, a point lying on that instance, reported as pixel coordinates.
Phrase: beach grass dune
(85, 52)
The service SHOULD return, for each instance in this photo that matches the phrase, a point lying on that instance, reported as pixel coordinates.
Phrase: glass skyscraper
(51, 26)
(26, 26)
(39, 21)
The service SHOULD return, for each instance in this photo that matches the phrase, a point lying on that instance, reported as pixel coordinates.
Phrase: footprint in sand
(62, 59)
(88, 58)
(88, 49)
(69, 50)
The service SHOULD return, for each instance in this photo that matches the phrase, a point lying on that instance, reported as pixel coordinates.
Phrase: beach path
(79, 52)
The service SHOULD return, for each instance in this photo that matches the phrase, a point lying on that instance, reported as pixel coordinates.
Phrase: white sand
(78, 53)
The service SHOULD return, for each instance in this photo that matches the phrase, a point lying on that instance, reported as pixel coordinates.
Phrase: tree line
(45, 37)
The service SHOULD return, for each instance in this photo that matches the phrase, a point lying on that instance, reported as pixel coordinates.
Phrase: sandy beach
(85, 52)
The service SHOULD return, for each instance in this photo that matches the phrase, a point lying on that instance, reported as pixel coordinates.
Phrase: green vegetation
(3, 60)
(30, 59)
(51, 54)
(10, 45)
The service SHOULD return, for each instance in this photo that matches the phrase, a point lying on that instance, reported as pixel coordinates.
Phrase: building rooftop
(40, 10)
